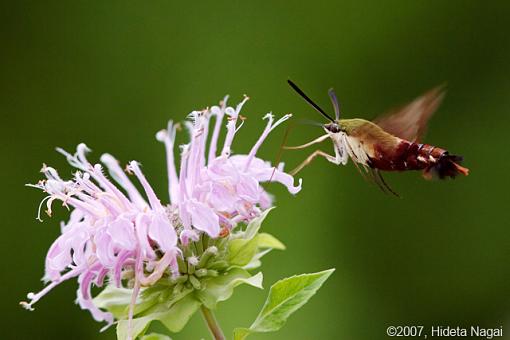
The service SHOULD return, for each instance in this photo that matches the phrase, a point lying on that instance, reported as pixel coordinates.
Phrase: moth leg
(386, 184)
(310, 158)
(315, 141)
(378, 179)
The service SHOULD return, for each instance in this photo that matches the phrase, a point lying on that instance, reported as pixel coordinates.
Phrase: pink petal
(203, 218)
(104, 248)
(248, 189)
(122, 233)
(161, 231)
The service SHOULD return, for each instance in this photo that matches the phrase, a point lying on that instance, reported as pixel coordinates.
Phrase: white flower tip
(213, 250)
(268, 116)
(26, 305)
(240, 105)
(105, 328)
(82, 147)
(231, 113)
(108, 325)
(284, 118)
(223, 102)
(132, 165)
(298, 187)
(161, 135)
(169, 132)
(193, 260)
(107, 158)
(215, 110)
(62, 151)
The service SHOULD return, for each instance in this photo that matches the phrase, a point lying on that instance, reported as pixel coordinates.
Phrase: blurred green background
(112, 73)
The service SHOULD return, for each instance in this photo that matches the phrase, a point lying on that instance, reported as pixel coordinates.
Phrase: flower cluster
(131, 239)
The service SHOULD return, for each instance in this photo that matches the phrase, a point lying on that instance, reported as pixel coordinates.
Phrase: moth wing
(410, 121)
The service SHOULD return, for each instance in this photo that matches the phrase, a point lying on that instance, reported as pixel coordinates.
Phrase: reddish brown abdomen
(413, 156)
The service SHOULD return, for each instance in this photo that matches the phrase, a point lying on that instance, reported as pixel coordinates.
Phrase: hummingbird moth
(390, 142)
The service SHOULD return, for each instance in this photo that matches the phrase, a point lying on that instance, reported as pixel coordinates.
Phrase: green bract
(210, 269)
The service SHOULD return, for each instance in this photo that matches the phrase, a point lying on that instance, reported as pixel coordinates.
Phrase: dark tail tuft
(446, 166)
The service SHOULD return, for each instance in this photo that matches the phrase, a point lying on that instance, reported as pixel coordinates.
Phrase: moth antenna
(309, 101)
(335, 103)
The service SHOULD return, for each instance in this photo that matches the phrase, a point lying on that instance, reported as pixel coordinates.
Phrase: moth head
(333, 127)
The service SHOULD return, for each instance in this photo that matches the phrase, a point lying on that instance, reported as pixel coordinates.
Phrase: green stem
(212, 323)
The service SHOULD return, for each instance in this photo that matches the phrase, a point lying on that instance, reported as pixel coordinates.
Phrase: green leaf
(241, 333)
(115, 300)
(255, 261)
(173, 318)
(180, 313)
(138, 326)
(220, 288)
(156, 336)
(254, 226)
(241, 251)
(266, 240)
(285, 297)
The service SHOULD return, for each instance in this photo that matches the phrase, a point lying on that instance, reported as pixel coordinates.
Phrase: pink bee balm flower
(115, 231)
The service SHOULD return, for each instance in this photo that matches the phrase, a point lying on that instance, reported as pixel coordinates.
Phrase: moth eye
(334, 128)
